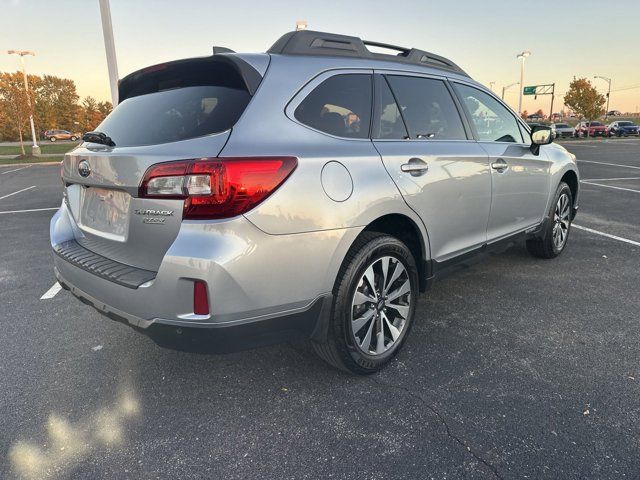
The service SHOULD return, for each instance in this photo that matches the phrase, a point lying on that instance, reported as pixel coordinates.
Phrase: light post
(35, 149)
(608, 80)
(491, 84)
(522, 56)
(110, 49)
(504, 89)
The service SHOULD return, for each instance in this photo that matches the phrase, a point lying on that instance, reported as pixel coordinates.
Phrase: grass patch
(30, 159)
(46, 149)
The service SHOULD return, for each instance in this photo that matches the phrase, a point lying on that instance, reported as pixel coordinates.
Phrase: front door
(520, 179)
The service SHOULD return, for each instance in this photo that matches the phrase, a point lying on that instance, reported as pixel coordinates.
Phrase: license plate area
(105, 212)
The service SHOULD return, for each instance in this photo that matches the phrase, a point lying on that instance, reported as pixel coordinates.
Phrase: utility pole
(504, 89)
(35, 149)
(608, 80)
(522, 56)
(491, 84)
(110, 49)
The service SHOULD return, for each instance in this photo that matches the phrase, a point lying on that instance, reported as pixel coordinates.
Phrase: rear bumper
(255, 280)
(310, 323)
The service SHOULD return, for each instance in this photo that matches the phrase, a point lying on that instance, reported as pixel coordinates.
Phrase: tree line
(54, 102)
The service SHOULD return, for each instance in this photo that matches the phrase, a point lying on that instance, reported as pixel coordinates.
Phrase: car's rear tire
(52, 139)
(374, 301)
(554, 239)
(74, 138)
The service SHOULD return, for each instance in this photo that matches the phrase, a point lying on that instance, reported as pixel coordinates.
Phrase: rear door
(426, 147)
(520, 179)
(170, 112)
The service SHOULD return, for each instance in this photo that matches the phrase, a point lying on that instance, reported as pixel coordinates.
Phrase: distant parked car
(562, 130)
(623, 127)
(55, 135)
(555, 117)
(613, 113)
(592, 129)
(535, 116)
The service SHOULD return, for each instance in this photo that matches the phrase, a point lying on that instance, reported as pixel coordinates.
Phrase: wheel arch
(571, 178)
(406, 230)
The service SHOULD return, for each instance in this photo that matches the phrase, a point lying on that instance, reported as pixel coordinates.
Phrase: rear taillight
(217, 187)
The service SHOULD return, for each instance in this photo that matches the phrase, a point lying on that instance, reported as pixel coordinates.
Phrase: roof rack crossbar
(308, 42)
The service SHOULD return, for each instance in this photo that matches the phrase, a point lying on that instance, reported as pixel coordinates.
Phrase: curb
(27, 163)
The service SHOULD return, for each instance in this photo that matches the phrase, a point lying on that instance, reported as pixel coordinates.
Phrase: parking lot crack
(442, 420)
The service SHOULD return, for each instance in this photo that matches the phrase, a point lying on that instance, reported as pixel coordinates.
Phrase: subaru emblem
(84, 169)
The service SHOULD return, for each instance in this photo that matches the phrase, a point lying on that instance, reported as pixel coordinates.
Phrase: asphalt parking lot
(515, 368)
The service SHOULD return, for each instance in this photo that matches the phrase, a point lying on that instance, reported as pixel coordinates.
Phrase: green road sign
(529, 90)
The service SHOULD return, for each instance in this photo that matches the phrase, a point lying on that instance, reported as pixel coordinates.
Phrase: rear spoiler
(216, 69)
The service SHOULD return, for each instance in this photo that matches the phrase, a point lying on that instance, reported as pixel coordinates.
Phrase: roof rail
(308, 42)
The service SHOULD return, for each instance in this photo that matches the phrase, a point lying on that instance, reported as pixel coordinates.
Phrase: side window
(493, 122)
(388, 122)
(341, 106)
(427, 108)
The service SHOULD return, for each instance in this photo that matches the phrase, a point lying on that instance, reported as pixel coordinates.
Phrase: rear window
(562, 125)
(176, 102)
(596, 124)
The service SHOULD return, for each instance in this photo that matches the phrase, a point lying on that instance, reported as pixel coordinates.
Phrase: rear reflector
(200, 298)
(216, 188)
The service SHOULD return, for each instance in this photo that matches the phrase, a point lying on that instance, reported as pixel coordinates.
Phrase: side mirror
(540, 135)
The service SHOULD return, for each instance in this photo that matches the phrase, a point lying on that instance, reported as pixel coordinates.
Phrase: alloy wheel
(380, 306)
(561, 221)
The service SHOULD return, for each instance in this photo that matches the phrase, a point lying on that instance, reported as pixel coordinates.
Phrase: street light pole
(35, 149)
(110, 49)
(522, 56)
(504, 89)
(608, 80)
(491, 84)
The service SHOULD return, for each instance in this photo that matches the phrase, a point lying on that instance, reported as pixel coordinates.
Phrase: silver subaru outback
(313, 191)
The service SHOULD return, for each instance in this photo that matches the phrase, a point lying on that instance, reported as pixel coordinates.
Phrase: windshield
(626, 124)
(596, 124)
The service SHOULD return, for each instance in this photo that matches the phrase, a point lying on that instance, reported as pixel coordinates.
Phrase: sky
(567, 38)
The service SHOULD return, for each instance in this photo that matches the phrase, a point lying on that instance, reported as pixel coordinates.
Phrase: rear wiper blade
(98, 137)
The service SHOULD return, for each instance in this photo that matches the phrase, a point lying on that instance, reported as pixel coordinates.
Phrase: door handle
(415, 167)
(500, 165)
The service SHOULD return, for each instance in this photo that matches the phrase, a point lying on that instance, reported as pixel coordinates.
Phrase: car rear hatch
(174, 111)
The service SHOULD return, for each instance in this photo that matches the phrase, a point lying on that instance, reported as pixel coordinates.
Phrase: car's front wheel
(52, 139)
(74, 138)
(374, 301)
(556, 234)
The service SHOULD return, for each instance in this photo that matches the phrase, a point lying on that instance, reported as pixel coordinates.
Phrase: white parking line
(14, 170)
(610, 186)
(30, 210)
(610, 164)
(52, 292)
(608, 179)
(608, 235)
(19, 191)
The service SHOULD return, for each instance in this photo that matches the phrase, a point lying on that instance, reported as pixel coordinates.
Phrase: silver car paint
(287, 251)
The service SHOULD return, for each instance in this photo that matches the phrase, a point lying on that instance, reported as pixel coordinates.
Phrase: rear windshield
(177, 102)
(596, 124)
(562, 125)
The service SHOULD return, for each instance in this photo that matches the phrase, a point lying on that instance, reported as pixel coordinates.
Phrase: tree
(541, 113)
(584, 99)
(14, 107)
(524, 115)
(56, 102)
